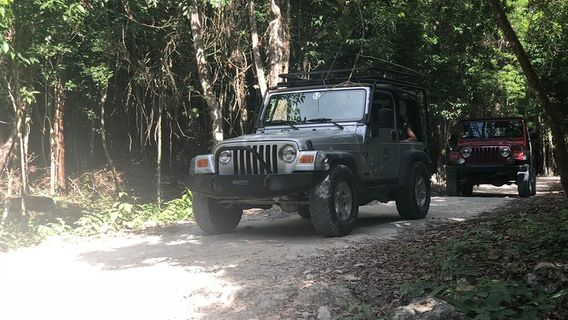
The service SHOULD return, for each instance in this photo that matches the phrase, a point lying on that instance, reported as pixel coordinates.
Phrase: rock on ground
(550, 276)
(426, 308)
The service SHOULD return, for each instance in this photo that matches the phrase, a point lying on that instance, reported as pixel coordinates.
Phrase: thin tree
(278, 43)
(256, 49)
(558, 134)
(206, 81)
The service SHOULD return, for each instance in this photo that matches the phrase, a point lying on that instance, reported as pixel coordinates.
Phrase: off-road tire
(332, 193)
(452, 186)
(213, 217)
(417, 187)
(467, 189)
(304, 212)
(524, 186)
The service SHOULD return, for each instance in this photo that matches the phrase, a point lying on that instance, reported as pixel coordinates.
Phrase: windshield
(492, 129)
(314, 106)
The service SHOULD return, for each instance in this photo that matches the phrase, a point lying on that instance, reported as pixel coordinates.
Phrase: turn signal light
(202, 163)
(519, 152)
(307, 159)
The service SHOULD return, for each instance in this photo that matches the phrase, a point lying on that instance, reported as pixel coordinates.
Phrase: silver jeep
(325, 143)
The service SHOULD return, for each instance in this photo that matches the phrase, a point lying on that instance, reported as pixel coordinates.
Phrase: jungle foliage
(147, 84)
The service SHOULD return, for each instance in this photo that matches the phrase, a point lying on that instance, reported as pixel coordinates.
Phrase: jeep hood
(320, 139)
(491, 142)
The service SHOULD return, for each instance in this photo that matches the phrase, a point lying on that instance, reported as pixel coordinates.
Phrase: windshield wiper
(277, 122)
(325, 120)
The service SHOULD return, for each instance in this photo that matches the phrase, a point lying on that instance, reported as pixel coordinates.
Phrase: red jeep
(496, 151)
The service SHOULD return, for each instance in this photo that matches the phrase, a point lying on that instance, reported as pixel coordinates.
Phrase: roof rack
(388, 73)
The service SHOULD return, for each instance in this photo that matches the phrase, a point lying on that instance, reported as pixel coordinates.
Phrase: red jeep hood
(491, 142)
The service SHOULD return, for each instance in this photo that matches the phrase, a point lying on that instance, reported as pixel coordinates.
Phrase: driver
(406, 133)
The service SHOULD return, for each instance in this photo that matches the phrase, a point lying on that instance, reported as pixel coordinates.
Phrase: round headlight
(505, 152)
(287, 153)
(465, 152)
(225, 157)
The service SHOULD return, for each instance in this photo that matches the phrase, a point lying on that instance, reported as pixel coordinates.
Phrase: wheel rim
(420, 191)
(343, 200)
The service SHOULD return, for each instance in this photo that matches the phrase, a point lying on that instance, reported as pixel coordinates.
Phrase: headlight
(465, 152)
(287, 153)
(505, 152)
(225, 157)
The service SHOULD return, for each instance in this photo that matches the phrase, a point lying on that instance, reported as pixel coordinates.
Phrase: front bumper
(253, 186)
(497, 170)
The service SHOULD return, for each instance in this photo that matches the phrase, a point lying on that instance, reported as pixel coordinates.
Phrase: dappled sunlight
(124, 282)
(438, 200)
(402, 224)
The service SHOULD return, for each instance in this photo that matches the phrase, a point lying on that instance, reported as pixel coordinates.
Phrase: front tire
(333, 203)
(452, 184)
(467, 189)
(213, 217)
(304, 212)
(413, 200)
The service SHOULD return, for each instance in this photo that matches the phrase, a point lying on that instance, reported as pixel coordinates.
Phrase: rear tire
(214, 218)
(304, 212)
(413, 200)
(333, 203)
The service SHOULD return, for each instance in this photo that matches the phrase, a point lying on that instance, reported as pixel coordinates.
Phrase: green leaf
(5, 47)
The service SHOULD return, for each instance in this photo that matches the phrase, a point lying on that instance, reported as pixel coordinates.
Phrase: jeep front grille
(244, 162)
(485, 155)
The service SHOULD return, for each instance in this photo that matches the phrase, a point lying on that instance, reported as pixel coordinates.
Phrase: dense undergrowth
(511, 263)
(87, 218)
(486, 273)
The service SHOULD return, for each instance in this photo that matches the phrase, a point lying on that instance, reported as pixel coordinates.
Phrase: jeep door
(382, 143)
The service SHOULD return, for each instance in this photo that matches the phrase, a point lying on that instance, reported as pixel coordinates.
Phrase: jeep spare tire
(413, 200)
(333, 203)
(214, 217)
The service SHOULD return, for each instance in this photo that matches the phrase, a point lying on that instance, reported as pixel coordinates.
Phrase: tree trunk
(205, 77)
(6, 150)
(57, 172)
(278, 44)
(256, 50)
(22, 121)
(159, 155)
(542, 142)
(110, 162)
(551, 162)
(558, 135)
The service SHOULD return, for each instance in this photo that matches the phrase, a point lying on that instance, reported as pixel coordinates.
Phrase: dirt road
(179, 273)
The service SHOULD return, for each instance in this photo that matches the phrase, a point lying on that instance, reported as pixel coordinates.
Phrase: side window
(409, 117)
(383, 110)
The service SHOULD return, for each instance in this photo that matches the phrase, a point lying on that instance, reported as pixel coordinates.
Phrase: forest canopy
(146, 84)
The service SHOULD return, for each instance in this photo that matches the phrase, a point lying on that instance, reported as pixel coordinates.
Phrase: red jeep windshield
(488, 129)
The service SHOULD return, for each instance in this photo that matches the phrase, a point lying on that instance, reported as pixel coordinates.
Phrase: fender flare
(344, 158)
(407, 158)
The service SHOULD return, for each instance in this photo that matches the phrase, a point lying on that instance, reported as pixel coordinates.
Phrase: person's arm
(410, 134)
